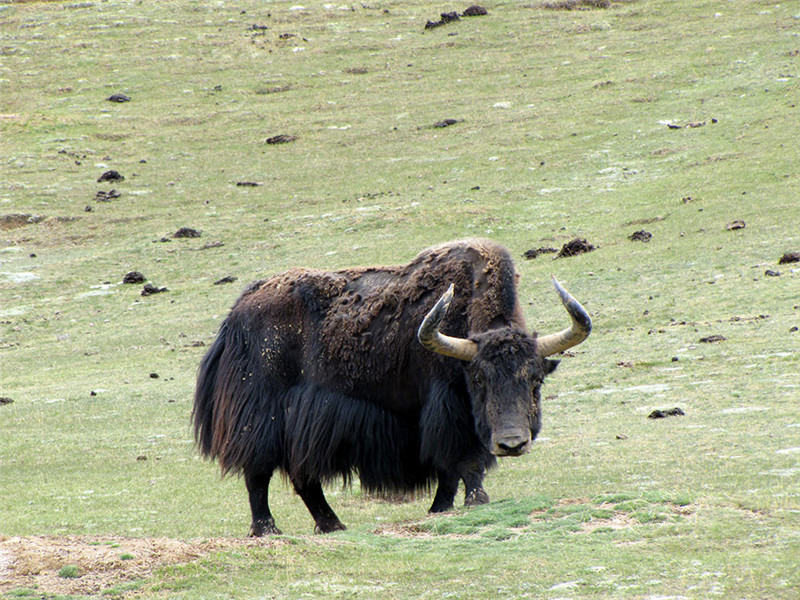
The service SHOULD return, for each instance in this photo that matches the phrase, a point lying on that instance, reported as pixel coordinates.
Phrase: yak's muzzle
(511, 442)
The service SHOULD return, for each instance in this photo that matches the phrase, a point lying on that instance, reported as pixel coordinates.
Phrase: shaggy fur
(319, 374)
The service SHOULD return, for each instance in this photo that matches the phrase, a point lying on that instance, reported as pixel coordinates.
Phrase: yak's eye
(477, 379)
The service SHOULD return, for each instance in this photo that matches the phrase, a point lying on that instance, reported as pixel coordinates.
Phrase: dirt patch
(535, 252)
(620, 520)
(575, 247)
(404, 530)
(102, 562)
(102, 196)
(734, 225)
(186, 232)
(133, 277)
(226, 279)
(111, 175)
(445, 123)
(475, 11)
(15, 220)
(576, 4)
(646, 221)
(281, 139)
(446, 17)
(640, 236)
(150, 289)
(789, 257)
(712, 339)
(669, 412)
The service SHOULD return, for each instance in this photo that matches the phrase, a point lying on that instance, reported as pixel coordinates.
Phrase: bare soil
(18, 220)
(575, 247)
(789, 257)
(34, 562)
(640, 236)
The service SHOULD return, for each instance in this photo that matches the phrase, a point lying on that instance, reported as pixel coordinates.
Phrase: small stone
(133, 277)
(111, 175)
(281, 139)
(475, 11)
(150, 289)
(789, 257)
(534, 252)
(640, 236)
(187, 232)
(226, 279)
(671, 412)
(575, 247)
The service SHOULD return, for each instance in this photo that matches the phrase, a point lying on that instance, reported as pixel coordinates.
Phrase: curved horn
(574, 335)
(430, 337)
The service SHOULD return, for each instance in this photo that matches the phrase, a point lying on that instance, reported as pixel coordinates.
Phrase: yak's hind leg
(258, 490)
(324, 517)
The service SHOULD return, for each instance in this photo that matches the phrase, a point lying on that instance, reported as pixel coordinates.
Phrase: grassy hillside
(677, 119)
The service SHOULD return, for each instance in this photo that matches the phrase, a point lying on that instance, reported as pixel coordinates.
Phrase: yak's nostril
(512, 444)
(512, 449)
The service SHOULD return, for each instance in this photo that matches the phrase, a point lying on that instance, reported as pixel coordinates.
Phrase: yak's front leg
(445, 492)
(258, 490)
(474, 494)
(324, 517)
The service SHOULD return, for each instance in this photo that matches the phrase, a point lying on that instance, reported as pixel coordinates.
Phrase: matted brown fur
(371, 313)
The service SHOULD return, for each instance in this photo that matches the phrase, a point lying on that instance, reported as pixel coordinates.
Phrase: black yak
(405, 376)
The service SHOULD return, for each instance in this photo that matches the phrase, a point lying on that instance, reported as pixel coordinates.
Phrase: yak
(405, 376)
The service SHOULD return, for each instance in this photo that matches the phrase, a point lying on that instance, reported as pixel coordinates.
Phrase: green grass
(69, 572)
(562, 132)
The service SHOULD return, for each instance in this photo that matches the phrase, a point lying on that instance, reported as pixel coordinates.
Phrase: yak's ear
(550, 366)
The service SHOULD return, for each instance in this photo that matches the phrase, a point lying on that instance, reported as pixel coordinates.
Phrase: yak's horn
(574, 335)
(430, 336)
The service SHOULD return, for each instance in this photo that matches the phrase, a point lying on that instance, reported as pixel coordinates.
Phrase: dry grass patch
(576, 4)
(617, 521)
(102, 562)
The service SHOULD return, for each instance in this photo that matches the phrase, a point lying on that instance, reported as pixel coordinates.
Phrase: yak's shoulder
(485, 279)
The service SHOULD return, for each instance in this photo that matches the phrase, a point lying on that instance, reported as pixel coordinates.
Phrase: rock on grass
(575, 247)
(789, 257)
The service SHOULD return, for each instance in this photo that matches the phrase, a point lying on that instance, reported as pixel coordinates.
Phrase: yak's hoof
(440, 508)
(476, 497)
(263, 527)
(329, 526)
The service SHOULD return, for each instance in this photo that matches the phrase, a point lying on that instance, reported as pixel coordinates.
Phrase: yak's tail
(204, 395)
(235, 416)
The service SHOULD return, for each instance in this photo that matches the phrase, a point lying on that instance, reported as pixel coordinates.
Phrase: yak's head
(505, 369)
